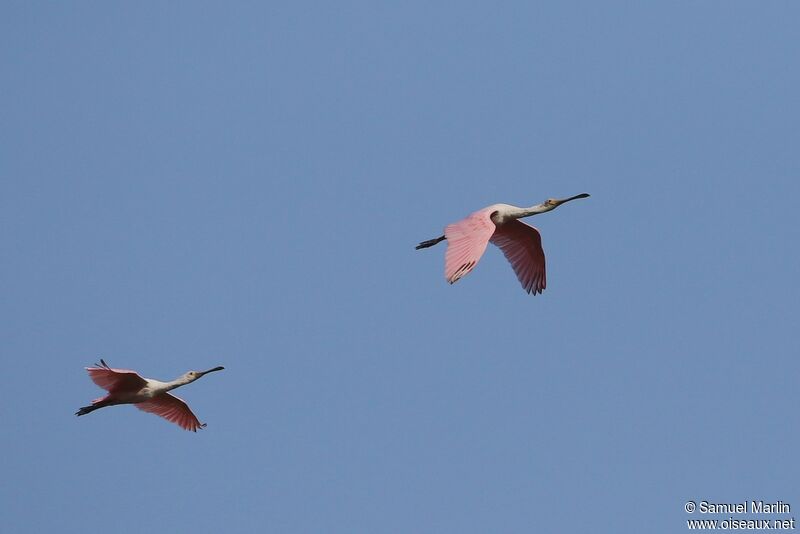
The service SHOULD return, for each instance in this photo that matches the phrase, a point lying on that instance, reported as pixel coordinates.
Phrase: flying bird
(152, 396)
(498, 224)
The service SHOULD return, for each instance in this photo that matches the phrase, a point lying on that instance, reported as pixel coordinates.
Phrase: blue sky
(191, 185)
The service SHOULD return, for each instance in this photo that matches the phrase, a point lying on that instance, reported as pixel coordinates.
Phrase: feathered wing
(522, 246)
(115, 380)
(466, 242)
(172, 409)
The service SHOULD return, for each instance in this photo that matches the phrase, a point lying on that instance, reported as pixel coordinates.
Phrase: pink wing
(522, 246)
(115, 380)
(172, 409)
(466, 242)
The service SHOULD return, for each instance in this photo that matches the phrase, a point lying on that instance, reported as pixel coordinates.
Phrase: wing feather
(522, 246)
(173, 409)
(466, 243)
(115, 380)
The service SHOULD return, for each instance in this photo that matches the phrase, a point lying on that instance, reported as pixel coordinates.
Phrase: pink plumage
(116, 380)
(466, 243)
(498, 224)
(127, 387)
(172, 409)
(522, 246)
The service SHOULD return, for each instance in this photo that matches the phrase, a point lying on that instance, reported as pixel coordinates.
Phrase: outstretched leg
(430, 242)
(87, 409)
(101, 403)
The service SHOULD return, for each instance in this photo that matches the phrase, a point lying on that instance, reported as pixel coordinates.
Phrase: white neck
(506, 212)
(514, 212)
(178, 382)
(519, 213)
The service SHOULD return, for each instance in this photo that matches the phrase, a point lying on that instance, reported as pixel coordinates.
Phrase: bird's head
(191, 376)
(553, 203)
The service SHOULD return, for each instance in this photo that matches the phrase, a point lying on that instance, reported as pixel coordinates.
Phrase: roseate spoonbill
(499, 224)
(127, 387)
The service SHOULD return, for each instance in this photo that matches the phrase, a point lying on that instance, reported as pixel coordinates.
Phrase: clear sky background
(190, 184)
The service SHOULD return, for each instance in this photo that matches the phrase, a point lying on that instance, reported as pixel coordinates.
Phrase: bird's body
(127, 387)
(498, 224)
